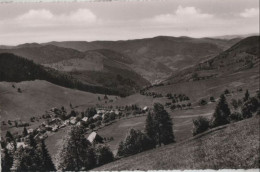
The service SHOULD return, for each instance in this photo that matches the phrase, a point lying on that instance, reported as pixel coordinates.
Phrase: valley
(110, 87)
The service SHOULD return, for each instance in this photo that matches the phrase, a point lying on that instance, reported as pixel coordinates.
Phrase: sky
(122, 20)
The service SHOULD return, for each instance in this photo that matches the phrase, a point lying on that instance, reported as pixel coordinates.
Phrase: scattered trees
(90, 112)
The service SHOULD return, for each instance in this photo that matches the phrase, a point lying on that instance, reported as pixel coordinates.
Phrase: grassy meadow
(230, 146)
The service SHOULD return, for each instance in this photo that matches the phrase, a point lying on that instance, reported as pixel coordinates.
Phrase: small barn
(94, 138)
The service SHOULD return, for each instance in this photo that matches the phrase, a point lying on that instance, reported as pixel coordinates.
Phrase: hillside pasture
(38, 96)
(197, 90)
(234, 146)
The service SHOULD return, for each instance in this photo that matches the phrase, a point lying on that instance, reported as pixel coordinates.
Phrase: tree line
(26, 70)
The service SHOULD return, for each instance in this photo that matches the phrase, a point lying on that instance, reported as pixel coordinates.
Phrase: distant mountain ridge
(140, 61)
(158, 57)
(241, 56)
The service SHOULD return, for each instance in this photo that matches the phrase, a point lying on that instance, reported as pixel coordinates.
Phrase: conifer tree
(47, 164)
(163, 125)
(9, 136)
(76, 153)
(120, 151)
(26, 159)
(25, 132)
(31, 141)
(150, 128)
(6, 160)
(247, 96)
(222, 113)
(159, 126)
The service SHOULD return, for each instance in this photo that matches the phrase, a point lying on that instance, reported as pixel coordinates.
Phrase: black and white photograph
(129, 85)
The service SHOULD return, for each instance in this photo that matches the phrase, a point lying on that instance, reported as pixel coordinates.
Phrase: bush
(104, 155)
(112, 116)
(200, 125)
(226, 91)
(19, 90)
(135, 142)
(212, 99)
(92, 126)
(234, 103)
(203, 102)
(250, 107)
(236, 116)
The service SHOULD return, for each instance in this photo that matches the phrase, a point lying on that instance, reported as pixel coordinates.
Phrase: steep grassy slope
(232, 146)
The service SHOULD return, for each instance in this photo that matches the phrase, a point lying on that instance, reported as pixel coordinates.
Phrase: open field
(231, 146)
(37, 97)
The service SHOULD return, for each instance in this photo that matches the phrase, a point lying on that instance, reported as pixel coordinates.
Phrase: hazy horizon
(92, 21)
(216, 37)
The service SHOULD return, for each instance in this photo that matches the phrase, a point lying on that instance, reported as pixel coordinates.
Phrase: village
(91, 120)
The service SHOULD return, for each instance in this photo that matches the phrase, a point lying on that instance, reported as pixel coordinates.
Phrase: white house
(66, 122)
(85, 119)
(117, 112)
(96, 116)
(73, 120)
(30, 130)
(55, 128)
(10, 146)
